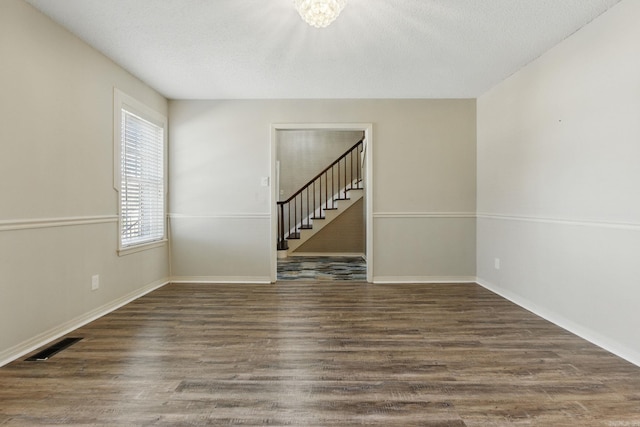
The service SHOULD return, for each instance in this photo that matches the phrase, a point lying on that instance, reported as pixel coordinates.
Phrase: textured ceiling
(224, 49)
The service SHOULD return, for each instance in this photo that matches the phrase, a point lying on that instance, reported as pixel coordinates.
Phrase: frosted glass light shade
(319, 13)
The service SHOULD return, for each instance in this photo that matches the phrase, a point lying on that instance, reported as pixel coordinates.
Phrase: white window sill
(143, 247)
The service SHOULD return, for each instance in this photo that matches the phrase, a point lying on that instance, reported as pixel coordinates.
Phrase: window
(140, 167)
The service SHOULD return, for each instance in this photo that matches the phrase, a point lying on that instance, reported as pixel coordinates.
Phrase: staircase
(320, 201)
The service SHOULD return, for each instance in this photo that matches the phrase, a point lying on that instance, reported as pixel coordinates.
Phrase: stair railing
(319, 194)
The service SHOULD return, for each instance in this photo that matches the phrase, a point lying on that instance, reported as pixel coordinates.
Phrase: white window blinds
(142, 204)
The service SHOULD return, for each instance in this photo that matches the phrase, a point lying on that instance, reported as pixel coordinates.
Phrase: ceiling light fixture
(319, 13)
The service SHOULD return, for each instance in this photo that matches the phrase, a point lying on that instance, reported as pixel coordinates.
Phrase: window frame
(133, 106)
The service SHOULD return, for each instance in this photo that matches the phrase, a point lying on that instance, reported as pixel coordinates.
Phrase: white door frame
(367, 128)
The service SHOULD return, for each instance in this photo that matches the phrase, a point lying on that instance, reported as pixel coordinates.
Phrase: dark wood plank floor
(325, 354)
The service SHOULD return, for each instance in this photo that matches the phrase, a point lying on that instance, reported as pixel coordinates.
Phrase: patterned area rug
(322, 268)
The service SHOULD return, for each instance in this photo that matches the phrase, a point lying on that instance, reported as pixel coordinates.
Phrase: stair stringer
(341, 206)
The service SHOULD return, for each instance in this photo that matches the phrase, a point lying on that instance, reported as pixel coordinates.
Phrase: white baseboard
(328, 254)
(221, 279)
(46, 337)
(385, 280)
(593, 337)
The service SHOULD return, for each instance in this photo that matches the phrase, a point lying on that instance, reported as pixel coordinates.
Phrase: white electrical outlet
(496, 263)
(95, 282)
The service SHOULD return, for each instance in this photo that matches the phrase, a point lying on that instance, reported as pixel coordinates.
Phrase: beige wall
(305, 153)
(58, 216)
(558, 175)
(423, 196)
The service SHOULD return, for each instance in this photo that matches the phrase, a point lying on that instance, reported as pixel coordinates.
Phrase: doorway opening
(316, 238)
